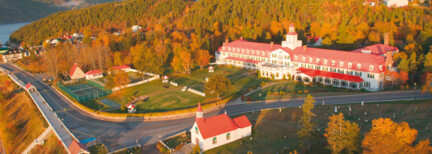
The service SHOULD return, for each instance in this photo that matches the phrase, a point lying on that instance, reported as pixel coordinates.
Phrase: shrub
(196, 149)
(306, 91)
(300, 92)
(123, 108)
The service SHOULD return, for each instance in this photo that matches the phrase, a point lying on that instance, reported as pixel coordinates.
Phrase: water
(7, 29)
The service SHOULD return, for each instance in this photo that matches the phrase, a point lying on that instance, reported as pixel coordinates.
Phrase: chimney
(271, 44)
(226, 40)
(304, 48)
(241, 37)
(386, 39)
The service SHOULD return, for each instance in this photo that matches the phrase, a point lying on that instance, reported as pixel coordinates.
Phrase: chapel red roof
(314, 73)
(93, 72)
(199, 109)
(242, 121)
(378, 49)
(75, 147)
(131, 106)
(73, 69)
(219, 124)
(120, 67)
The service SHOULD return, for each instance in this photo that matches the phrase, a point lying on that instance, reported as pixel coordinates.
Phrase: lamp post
(415, 91)
(260, 97)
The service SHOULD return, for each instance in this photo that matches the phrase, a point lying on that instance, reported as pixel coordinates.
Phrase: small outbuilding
(93, 74)
(125, 68)
(131, 108)
(211, 69)
(76, 73)
(165, 79)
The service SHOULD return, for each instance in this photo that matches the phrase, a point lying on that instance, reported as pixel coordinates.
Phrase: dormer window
(341, 64)
(223, 48)
(263, 53)
(295, 57)
(333, 63)
(229, 48)
(303, 59)
(380, 67)
(252, 52)
(325, 61)
(247, 51)
(358, 66)
(242, 50)
(238, 49)
(349, 65)
(371, 67)
(310, 60)
(317, 60)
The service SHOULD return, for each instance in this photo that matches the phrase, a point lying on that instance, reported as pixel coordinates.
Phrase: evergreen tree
(306, 120)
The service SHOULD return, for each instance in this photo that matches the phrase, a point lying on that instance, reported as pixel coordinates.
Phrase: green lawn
(166, 99)
(275, 132)
(294, 90)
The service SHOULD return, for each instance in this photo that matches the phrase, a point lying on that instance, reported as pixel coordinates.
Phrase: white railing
(196, 92)
(173, 83)
(137, 83)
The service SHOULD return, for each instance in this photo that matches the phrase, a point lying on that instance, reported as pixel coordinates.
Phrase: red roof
(199, 107)
(313, 73)
(131, 106)
(210, 67)
(28, 85)
(292, 33)
(73, 69)
(243, 60)
(242, 121)
(120, 67)
(220, 124)
(257, 49)
(378, 49)
(75, 147)
(291, 25)
(93, 72)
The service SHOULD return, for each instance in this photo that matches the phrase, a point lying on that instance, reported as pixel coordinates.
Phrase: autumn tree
(110, 84)
(427, 86)
(202, 58)
(403, 65)
(388, 137)
(342, 135)
(306, 120)
(182, 62)
(428, 62)
(53, 58)
(217, 84)
(403, 76)
(121, 79)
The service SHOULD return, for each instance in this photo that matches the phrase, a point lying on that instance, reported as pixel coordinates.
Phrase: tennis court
(85, 91)
(109, 103)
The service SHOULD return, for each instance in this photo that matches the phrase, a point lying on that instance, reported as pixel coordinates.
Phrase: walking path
(38, 141)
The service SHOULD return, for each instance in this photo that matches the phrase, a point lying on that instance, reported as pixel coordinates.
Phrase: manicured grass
(166, 99)
(275, 132)
(95, 105)
(297, 89)
(176, 141)
(98, 149)
(242, 85)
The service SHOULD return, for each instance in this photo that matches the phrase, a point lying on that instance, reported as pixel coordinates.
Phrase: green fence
(87, 95)
(99, 86)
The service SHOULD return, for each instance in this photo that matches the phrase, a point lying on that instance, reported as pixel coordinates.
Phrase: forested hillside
(177, 34)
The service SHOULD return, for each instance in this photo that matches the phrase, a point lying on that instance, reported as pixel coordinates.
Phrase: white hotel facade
(361, 68)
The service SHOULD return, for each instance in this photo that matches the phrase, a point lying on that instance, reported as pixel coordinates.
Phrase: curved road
(117, 135)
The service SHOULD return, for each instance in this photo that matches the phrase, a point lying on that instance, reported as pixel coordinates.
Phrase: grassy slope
(270, 127)
(20, 120)
(52, 145)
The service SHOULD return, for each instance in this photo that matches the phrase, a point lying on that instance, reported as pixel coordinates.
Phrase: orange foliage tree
(403, 76)
(342, 134)
(387, 136)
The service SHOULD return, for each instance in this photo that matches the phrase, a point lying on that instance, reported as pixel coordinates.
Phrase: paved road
(116, 135)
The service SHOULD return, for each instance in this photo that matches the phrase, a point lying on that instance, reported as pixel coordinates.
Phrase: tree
(341, 134)
(196, 149)
(52, 58)
(404, 65)
(186, 61)
(202, 58)
(403, 76)
(110, 82)
(428, 62)
(427, 87)
(217, 84)
(121, 79)
(306, 120)
(388, 137)
(413, 64)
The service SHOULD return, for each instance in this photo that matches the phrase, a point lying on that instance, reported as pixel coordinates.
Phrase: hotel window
(325, 61)
(358, 66)
(317, 67)
(295, 57)
(223, 48)
(228, 136)
(287, 57)
(214, 140)
(258, 53)
(333, 63)
(263, 53)
(380, 67)
(367, 84)
(350, 72)
(310, 60)
(317, 60)
(349, 65)
(223, 53)
(371, 75)
(370, 67)
(252, 52)
(238, 49)
(247, 51)
(303, 59)
(242, 50)
(341, 64)
(358, 73)
(229, 48)
(274, 55)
